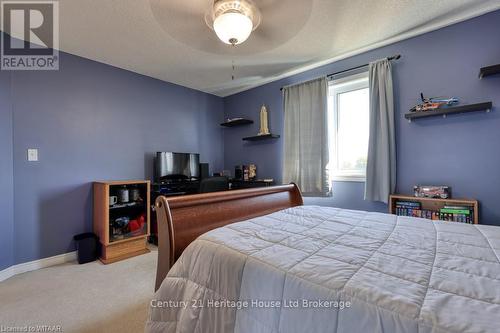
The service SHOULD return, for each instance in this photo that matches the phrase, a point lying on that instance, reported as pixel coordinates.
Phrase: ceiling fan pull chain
(233, 66)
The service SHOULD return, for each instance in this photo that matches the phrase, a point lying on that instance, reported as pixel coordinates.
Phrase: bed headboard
(182, 219)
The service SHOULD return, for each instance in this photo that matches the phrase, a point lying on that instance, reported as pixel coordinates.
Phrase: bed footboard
(182, 219)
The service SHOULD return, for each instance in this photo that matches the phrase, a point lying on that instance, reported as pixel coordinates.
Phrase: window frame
(336, 87)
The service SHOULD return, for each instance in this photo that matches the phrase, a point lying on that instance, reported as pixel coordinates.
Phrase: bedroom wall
(460, 151)
(90, 122)
(6, 175)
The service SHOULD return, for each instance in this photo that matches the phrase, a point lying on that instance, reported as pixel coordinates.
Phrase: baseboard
(7, 273)
(37, 264)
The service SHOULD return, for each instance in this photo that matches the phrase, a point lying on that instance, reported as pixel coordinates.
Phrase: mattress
(320, 269)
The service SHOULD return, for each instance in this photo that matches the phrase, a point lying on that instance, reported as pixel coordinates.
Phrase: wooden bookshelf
(118, 243)
(435, 204)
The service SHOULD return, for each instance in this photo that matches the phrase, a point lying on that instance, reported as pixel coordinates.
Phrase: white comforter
(318, 269)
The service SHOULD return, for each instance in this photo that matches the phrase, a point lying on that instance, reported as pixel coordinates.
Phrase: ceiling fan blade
(184, 21)
(266, 5)
(180, 10)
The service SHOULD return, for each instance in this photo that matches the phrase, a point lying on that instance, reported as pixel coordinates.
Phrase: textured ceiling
(168, 39)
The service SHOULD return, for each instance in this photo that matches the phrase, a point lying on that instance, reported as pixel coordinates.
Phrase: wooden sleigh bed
(182, 219)
(398, 273)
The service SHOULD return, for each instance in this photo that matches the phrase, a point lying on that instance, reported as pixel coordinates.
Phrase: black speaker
(204, 170)
(238, 172)
(87, 247)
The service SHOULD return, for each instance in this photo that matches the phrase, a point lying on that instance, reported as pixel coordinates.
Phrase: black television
(176, 166)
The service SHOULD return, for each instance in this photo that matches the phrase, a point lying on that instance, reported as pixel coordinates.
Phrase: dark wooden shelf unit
(488, 71)
(261, 137)
(238, 122)
(450, 110)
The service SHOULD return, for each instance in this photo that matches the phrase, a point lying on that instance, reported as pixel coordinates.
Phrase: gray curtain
(306, 136)
(381, 166)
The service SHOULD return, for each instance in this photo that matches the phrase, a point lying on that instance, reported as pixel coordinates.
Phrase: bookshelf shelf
(488, 71)
(487, 106)
(237, 122)
(261, 137)
(432, 204)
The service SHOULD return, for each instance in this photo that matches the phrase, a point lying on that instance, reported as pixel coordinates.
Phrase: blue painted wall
(91, 121)
(460, 151)
(6, 175)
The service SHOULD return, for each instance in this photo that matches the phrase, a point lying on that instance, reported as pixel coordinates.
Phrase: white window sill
(359, 179)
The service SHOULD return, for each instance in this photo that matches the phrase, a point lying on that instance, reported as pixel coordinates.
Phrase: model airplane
(433, 103)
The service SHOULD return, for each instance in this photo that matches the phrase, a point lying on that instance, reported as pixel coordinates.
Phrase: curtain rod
(394, 57)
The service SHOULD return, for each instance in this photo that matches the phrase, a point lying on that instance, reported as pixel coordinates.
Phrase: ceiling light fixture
(233, 20)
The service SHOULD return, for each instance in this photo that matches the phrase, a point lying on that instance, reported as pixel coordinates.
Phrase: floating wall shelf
(490, 70)
(450, 110)
(237, 122)
(261, 137)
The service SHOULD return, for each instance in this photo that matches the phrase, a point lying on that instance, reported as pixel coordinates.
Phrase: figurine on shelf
(264, 124)
(252, 171)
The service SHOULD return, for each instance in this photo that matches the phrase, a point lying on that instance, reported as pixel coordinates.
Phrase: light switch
(32, 155)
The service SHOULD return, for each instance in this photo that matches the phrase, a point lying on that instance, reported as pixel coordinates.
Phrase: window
(348, 126)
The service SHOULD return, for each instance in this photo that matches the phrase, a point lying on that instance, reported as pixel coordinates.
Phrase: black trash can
(87, 247)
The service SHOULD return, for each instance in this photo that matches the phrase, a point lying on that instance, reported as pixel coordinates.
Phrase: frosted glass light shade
(233, 28)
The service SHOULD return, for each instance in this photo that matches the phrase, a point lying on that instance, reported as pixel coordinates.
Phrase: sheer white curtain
(306, 136)
(381, 164)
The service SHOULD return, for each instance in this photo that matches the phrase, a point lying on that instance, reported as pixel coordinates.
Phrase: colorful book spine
(408, 208)
(460, 214)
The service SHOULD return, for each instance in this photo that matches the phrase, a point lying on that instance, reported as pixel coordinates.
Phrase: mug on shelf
(134, 194)
(113, 200)
(123, 196)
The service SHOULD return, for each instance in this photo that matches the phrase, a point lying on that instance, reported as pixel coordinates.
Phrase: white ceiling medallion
(233, 20)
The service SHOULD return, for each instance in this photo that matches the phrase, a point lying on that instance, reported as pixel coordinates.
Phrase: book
(408, 204)
(455, 211)
(457, 207)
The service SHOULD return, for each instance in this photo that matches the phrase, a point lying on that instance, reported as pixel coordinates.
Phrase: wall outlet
(32, 155)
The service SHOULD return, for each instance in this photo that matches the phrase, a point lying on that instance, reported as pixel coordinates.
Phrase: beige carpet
(82, 298)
